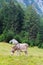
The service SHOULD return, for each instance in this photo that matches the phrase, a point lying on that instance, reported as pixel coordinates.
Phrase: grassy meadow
(35, 56)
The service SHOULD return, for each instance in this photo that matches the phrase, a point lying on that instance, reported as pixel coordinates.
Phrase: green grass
(35, 56)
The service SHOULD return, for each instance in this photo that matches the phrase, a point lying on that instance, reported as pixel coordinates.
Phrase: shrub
(18, 38)
(31, 43)
(2, 38)
(40, 45)
(6, 36)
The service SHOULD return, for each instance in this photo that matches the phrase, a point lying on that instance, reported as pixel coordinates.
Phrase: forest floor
(35, 56)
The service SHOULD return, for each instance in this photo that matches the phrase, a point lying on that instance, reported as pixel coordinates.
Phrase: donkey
(20, 48)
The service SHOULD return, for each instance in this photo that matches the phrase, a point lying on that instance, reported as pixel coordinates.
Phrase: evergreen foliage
(23, 25)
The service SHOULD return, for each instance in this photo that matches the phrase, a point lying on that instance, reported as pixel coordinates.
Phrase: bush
(24, 37)
(18, 38)
(40, 45)
(31, 43)
(6, 36)
(2, 38)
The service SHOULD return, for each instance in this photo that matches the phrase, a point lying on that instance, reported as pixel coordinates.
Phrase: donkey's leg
(18, 53)
(26, 53)
(12, 52)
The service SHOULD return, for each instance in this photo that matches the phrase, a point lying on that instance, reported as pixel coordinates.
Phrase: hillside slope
(35, 56)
